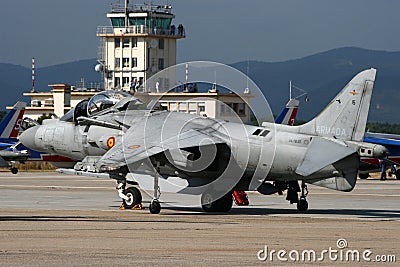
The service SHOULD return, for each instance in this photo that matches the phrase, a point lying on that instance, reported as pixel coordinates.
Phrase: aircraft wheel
(14, 170)
(135, 197)
(224, 204)
(302, 205)
(363, 175)
(155, 207)
(397, 173)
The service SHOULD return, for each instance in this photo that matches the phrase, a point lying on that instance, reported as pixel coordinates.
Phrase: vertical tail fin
(346, 115)
(288, 114)
(10, 125)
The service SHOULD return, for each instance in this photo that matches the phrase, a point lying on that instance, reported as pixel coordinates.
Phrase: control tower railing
(118, 8)
(178, 32)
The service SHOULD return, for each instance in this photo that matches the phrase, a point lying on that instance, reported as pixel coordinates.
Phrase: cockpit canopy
(104, 100)
(98, 103)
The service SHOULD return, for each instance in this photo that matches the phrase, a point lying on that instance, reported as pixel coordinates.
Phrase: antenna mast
(33, 75)
(126, 14)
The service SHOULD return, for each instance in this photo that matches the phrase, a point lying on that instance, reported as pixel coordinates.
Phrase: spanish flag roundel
(110, 142)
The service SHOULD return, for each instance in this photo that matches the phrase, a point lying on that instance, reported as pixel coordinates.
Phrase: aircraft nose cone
(28, 137)
(381, 152)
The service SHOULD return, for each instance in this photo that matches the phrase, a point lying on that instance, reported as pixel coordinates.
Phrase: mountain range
(321, 75)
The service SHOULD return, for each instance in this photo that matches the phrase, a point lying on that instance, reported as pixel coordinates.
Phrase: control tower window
(117, 63)
(117, 42)
(125, 81)
(125, 62)
(161, 43)
(134, 42)
(117, 82)
(137, 21)
(126, 42)
(118, 22)
(134, 62)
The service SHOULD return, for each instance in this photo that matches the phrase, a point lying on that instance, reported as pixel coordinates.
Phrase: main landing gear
(131, 196)
(293, 196)
(223, 204)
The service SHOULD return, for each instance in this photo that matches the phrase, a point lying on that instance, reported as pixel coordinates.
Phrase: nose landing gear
(155, 206)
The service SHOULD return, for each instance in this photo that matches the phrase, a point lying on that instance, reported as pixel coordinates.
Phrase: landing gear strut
(155, 206)
(293, 192)
(302, 204)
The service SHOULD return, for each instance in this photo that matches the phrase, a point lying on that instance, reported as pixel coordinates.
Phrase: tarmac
(49, 219)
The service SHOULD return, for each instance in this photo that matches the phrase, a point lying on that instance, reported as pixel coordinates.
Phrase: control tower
(140, 42)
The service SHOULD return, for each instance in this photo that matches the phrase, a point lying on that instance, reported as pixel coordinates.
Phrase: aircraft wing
(139, 144)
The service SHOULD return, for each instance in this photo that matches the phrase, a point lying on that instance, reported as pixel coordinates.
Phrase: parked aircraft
(9, 130)
(392, 143)
(213, 155)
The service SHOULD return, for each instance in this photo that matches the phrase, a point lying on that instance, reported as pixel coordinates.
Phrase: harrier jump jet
(215, 156)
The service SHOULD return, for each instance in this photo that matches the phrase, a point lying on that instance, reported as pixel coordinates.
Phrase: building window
(238, 108)
(202, 107)
(241, 109)
(173, 107)
(117, 42)
(160, 64)
(134, 62)
(134, 42)
(117, 82)
(222, 108)
(126, 42)
(161, 43)
(192, 107)
(182, 107)
(117, 63)
(125, 81)
(125, 62)
(235, 107)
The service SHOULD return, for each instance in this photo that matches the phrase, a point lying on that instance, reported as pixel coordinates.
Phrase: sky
(226, 31)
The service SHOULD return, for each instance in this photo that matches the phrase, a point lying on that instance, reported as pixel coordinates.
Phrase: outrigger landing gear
(302, 204)
(14, 170)
(155, 206)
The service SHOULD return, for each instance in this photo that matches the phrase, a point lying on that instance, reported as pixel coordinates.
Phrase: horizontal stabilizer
(316, 158)
(344, 184)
